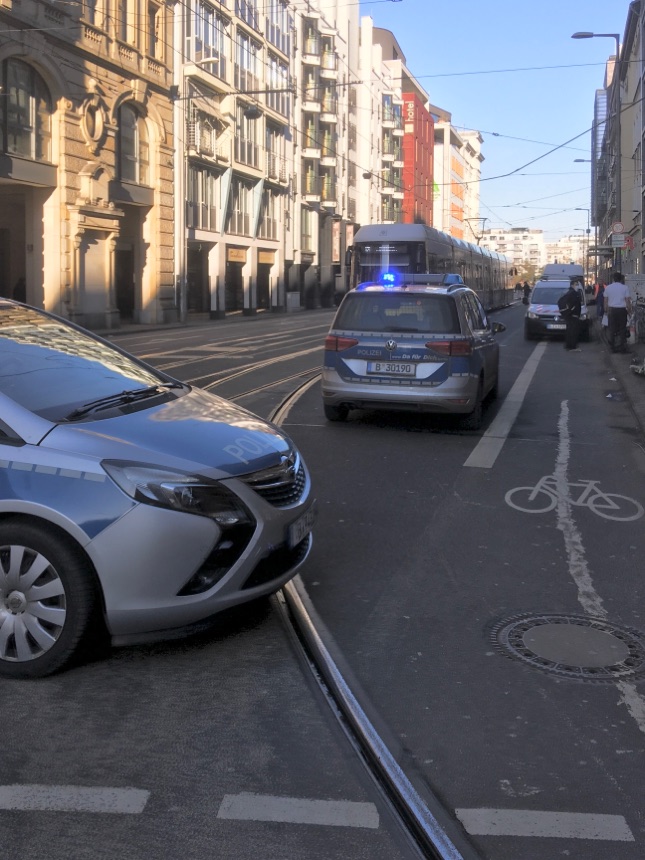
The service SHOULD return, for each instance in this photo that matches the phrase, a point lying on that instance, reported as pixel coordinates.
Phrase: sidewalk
(632, 383)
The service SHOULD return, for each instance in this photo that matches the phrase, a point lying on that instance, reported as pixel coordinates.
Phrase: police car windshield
(547, 295)
(398, 312)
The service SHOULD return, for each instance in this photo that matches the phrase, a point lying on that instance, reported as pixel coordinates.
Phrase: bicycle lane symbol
(544, 496)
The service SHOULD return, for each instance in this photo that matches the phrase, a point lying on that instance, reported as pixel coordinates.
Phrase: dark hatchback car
(129, 501)
(416, 346)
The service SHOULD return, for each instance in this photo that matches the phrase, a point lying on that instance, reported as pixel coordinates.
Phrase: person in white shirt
(618, 305)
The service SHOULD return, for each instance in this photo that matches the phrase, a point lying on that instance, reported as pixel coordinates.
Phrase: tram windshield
(372, 259)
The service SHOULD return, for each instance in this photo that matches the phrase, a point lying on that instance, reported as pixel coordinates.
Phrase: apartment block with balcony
(86, 139)
(235, 107)
(525, 247)
(324, 147)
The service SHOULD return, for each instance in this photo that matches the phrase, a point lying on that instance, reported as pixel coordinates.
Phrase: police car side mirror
(496, 327)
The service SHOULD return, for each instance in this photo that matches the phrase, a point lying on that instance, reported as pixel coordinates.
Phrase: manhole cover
(572, 646)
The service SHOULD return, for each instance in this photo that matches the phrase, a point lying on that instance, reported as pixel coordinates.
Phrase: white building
(526, 248)
(569, 249)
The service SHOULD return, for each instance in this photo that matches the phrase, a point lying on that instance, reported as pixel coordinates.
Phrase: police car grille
(276, 490)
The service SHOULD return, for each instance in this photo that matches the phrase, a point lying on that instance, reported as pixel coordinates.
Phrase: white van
(562, 271)
(543, 315)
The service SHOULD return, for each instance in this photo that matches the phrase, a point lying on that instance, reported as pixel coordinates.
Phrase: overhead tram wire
(177, 51)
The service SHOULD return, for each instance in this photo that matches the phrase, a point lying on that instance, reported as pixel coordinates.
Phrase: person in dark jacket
(527, 292)
(570, 310)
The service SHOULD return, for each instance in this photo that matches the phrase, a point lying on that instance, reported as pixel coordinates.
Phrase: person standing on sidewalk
(618, 305)
(570, 308)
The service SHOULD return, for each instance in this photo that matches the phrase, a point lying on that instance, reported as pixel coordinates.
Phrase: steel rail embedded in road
(276, 382)
(428, 833)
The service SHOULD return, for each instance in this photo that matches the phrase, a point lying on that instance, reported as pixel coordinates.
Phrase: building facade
(86, 159)
(157, 162)
(526, 248)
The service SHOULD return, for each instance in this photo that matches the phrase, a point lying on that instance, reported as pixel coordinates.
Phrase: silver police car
(420, 343)
(129, 501)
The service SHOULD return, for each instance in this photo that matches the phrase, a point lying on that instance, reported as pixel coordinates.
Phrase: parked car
(417, 346)
(543, 315)
(129, 500)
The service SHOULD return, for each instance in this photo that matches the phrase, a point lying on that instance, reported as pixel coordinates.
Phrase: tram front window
(371, 260)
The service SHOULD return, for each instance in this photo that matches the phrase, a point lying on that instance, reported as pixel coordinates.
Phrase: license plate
(301, 528)
(391, 368)
(557, 326)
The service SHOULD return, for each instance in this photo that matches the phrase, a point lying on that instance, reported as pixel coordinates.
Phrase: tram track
(269, 385)
(431, 829)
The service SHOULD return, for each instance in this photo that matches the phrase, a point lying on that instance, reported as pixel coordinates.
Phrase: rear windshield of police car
(398, 312)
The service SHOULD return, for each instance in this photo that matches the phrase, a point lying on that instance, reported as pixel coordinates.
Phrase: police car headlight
(532, 316)
(179, 491)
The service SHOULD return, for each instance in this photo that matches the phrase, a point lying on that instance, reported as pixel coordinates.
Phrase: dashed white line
(73, 798)
(487, 450)
(558, 825)
(297, 810)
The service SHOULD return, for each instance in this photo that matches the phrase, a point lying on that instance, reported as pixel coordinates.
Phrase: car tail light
(333, 343)
(450, 347)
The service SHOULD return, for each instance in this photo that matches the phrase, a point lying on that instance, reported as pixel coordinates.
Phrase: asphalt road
(465, 619)
(478, 628)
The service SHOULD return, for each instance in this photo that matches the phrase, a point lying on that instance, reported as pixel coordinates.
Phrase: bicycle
(544, 496)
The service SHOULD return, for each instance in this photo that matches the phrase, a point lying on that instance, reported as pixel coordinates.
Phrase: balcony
(311, 145)
(328, 191)
(329, 66)
(329, 106)
(311, 51)
(311, 189)
(276, 167)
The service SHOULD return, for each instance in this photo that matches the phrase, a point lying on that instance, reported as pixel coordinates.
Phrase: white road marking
(559, 825)
(577, 563)
(73, 798)
(488, 448)
(296, 810)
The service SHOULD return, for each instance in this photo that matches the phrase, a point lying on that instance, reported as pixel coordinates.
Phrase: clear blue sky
(511, 70)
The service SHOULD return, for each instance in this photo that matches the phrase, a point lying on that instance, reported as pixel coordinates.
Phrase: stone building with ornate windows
(86, 159)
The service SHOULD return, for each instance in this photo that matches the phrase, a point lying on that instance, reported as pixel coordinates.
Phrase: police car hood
(196, 432)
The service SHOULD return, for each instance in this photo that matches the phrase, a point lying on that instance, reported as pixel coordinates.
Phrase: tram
(417, 249)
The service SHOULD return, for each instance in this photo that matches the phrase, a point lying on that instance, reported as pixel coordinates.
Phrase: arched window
(25, 112)
(133, 146)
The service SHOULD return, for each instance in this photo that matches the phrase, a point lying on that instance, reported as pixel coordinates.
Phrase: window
(269, 216)
(246, 142)
(275, 167)
(25, 112)
(240, 207)
(133, 146)
(307, 230)
(154, 27)
(279, 25)
(247, 10)
(247, 53)
(90, 8)
(201, 198)
(278, 97)
(209, 39)
(122, 14)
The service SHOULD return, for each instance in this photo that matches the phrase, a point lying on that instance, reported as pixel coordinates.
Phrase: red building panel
(418, 161)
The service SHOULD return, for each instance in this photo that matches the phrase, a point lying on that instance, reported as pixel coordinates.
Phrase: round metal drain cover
(572, 646)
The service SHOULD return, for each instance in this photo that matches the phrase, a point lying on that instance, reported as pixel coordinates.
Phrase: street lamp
(615, 92)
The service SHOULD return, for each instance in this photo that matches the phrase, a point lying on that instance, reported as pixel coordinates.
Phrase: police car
(419, 343)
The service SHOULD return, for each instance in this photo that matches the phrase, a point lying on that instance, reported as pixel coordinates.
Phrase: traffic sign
(618, 240)
(618, 227)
